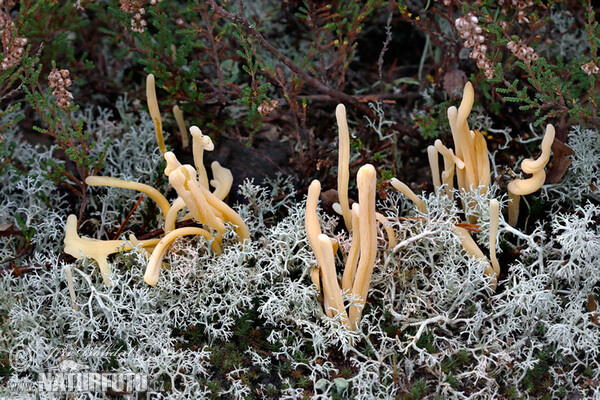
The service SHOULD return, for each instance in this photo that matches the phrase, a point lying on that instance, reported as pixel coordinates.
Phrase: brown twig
(465, 225)
(116, 236)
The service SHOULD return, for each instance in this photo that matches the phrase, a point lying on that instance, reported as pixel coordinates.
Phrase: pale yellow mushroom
(311, 220)
(434, 165)
(223, 211)
(178, 114)
(313, 231)
(367, 182)
(200, 143)
(387, 226)
(151, 192)
(352, 260)
(471, 248)
(222, 180)
(183, 180)
(314, 277)
(171, 219)
(99, 250)
(521, 187)
(354, 248)
(494, 224)
(483, 161)
(154, 265)
(463, 140)
(154, 112)
(529, 165)
(471, 148)
(332, 295)
(172, 162)
(405, 190)
(335, 245)
(343, 164)
(69, 275)
(450, 160)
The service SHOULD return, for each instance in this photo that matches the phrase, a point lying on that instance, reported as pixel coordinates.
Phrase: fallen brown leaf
(9, 230)
(561, 162)
(454, 81)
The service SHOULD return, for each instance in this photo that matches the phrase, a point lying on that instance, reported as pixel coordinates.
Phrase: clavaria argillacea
(469, 162)
(361, 220)
(192, 186)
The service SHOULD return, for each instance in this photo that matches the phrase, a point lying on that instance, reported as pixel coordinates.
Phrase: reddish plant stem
(317, 84)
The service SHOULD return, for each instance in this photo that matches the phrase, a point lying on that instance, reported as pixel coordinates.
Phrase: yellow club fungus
(521, 187)
(154, 112)
(471, 248)
(69, 275)
(99, 250)
(367, 182)
(405, 190)
(332, 295)
(222, 180)
(151, 192)
(178, 114)
(154, 265)
(352, 259)
(343, 164)
(200, 143)
(494, 224)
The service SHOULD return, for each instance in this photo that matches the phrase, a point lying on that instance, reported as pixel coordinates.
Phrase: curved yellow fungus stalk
(314, 277)
(151, 192)
(434, 165)
(352, 260)
(99, 250)
(226, 213)
(207, 215)
(313, 231)
(172, 162)
(200, 143)
(387, 226)
(183, 180)
(177, 206)
(367, 181)
(471, 247)
(154, 112)
(178, 114)
(311, 220)
(153, 269)
(332, 295)
(463, 141)
(471, 148)
(405, 190)
(521, 187)
(69, 275)
(222, 180)
(335, 245)
(343, 164)
(450, 160)
(147, 249)
(494, 224)
(482, 161)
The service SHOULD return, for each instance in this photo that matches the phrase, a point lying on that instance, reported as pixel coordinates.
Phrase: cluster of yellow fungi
(192, 186)
(469, 162)
(361, 220)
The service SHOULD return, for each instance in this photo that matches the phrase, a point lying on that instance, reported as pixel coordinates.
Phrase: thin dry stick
(317, 84)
